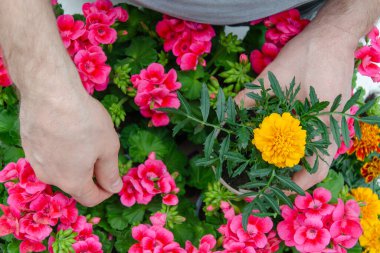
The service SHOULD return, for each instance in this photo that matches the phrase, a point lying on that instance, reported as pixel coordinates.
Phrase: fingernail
(116, 186)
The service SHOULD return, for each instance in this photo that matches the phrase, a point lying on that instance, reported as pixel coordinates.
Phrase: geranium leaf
(205, 102)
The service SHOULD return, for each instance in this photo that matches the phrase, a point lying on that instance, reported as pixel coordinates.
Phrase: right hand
(68, 137)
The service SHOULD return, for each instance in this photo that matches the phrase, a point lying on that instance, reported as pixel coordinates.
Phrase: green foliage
(63, 241)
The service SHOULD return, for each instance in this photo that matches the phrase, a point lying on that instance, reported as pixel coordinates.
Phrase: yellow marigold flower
(370, 203)
(369, 142)
(371, 170)
(370, 239)
(281, 140)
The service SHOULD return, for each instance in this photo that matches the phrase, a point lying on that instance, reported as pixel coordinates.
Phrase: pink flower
(105, 7)
(188, 40)
(260, 60)
(316, 205)
(153, 239)
(47, 210)
(5, 79)
(284, 26)
(273, 244)
(158, 219)
(33, 230)
(92, 67)
(293, 220)
(373, 35)
(90, 245)
(10, 172)
(236, 239)
(102, 34)
(9, 221)
(206, 244)
(70, 30)
(312, 236)
(369, 62)
(54, 2)
(156, 89)
(27, 246)
(142, 183)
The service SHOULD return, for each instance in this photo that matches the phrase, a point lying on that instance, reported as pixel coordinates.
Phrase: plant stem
(122, 101)
(209, 124)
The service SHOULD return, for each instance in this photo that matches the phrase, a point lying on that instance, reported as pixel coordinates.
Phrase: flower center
(89, 66)
(311, 234)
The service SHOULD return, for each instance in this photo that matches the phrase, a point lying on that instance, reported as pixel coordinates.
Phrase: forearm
(350, 19)
(32, 47)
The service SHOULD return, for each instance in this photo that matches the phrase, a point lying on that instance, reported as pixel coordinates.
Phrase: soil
(237, 181)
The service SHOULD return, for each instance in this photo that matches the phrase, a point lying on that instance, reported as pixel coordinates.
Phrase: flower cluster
(281, 140)
(156, 89)
(282, 27)
(34, 209)
(257, 238)
(368, 143)
(5, 79)
(313, 223)
(142, 183)
(369, 56)
(189, 41)
(370, 210)
(154, 238)
(83, 39)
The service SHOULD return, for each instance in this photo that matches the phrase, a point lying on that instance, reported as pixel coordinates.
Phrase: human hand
(68, 137)
(315, 58)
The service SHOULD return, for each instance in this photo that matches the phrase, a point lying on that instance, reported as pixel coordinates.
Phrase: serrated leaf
(224, 146)
(319, 106)
(209, 143)
(220, 105)
(171, 110)
(313, 96)
(231, 110)
(240, 169)
(368, 105)
(315, 166)
(205, 102)
(335, 130)
(345, 132)
(274, 84)
(205, 162)
(253, 185)
(358, 131)
(235, 157)
(254, 96)
(184, 103)
(243, 135)
(179, 126)
(281, 195)
(336, 103)
(260, 172)
(290, 184)
(272, 203)
(352, 101)
(247, 211)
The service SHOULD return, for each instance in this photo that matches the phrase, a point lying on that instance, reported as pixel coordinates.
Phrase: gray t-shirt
(219, 12)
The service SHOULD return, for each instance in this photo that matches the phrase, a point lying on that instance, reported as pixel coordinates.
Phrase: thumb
(107, 174)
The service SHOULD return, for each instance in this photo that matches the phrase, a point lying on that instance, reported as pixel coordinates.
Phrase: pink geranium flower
(9, 221)
(206, 244)
(27, 246)
(92, 67)
(312, 236)
(261, 59)
(105, 7)
(156, 89)
(369, 62)
(90, 245)
(142, 183)
(70, 30)
(5, 79)
(33, 230)
(316, 205)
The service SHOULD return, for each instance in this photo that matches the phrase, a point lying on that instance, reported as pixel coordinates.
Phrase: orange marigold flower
(371, 170)
(368, 143)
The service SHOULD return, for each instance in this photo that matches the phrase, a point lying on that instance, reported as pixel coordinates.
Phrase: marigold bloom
(368, 143)
(371, 208)
(281, 140)
(370, 238)
(371, 170)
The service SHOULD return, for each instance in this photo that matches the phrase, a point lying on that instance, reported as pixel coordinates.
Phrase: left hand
(318, 58)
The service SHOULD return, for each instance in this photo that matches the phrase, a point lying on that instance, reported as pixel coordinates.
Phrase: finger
(305, 180)
(90, 194)
(107, 173)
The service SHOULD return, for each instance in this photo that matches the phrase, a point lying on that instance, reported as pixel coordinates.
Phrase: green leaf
(231, 110)
(224, 146)
(209, 143)
(179, 126)
(252, 86)
(368, 105)
(205, 162)
(220, 105)
(281, 195)
(205, 102)
(356, 249)
(7, 120)
(345, 132)
(244, 136)
(254, 96)
(191, 83)
(315, 166)
(358, 131)
(371, 120)
(313, 96)
(319, 106)
(141, 53)
(184, 103)
(275, 86)
(335, 130)
(240, 169)
(336, 103)
(272, 203)
(289, 184)
(334, 182)
(235, 157)
(260, 172)
(247, 211)
(253, 185)
(352, 101)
